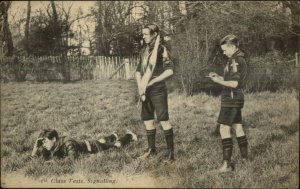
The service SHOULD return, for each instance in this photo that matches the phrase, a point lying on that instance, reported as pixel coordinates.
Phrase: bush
(191, 58)
(29, 68)
(6, 71)
(206, 23)
(13, 69)
(272, 72)
(45, 69)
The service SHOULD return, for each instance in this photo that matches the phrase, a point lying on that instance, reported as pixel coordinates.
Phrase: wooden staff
(118, 69)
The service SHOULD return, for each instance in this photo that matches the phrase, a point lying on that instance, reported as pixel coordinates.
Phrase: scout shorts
(157, 103)
(229, 116)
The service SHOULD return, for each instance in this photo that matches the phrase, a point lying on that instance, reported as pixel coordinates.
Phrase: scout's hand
(150, 83)
(212, 74)
(141, 93)
(141, 90)
(38, 142)
(215, 77)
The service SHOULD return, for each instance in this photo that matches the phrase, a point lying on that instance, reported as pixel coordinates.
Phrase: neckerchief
(151, 62)
(228, 65)
(146, 56)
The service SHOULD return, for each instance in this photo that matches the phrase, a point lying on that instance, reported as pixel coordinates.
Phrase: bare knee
(225, 131)
(149, 124)
(166, 125)
(239, 131)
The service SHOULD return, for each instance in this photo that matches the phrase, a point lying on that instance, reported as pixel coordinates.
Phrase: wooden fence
(99, 67)
(77, 67)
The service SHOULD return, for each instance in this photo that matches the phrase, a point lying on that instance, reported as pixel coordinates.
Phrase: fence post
(117, 63)
(297, 59)
(127, 69)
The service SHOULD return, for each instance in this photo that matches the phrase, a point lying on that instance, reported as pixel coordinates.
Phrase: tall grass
(91, 109)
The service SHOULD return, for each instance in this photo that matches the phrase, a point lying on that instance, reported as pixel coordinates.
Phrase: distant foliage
(114, 35)
(268, 73)
(20, 69)
(191, 57)
(272, 72)
(197, 50)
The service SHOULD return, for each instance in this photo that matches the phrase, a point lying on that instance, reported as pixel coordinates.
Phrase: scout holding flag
(154, 67)
(232, 100)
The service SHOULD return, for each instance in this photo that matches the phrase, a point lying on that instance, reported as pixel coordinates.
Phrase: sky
(18, 11)
(20, 6)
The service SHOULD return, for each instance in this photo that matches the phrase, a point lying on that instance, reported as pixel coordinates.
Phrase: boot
(151, 150)
(133, 135)
(126, 139)
(226, 167)
(227, 153)
(244, 152)
(243, 145)
(110, 139)
(170, 144)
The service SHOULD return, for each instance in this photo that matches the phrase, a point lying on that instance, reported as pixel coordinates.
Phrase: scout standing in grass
(232, 100)
(49, 145)
(154, 67)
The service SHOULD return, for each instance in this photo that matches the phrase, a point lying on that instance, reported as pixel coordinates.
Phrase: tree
(207, 22)
(176, 16)
(27, 28)
(51, 30)
(152, 11)
(6, 42)
(294, 7)
(111, 18)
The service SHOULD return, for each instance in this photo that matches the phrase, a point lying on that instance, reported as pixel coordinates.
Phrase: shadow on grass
(252, 121)
(261, 148)
(275, 136)
(290, 129)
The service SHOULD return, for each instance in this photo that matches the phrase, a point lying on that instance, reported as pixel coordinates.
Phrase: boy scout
(155, 57)
(232, 100)
(49, 145)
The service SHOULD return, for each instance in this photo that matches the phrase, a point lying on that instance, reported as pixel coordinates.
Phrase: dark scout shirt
(67, 147)
(235, 70)
(163, 63)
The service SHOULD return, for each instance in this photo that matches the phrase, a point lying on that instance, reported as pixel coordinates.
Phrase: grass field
(90, 109)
